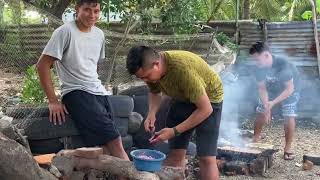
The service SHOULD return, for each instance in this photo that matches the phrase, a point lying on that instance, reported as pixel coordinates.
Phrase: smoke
(241, 95)
(237, 92)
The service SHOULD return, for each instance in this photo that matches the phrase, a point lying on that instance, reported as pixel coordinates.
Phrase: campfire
(243, 157)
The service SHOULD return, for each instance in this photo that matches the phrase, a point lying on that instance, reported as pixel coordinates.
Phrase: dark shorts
(93, 117)
(289, 106)
(206, 133)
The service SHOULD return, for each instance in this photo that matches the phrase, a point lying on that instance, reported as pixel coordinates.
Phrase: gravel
(307, 140)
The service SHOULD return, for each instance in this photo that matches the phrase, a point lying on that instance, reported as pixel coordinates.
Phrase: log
(239, 167)
(77, 175)
(315, 158)
(17, 163)
(13, 133)
(238, 153)
(68, 160)
(258, 166)
(115, 166)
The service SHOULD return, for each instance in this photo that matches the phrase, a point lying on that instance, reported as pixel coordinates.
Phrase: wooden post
(237, 22)
(315, 29)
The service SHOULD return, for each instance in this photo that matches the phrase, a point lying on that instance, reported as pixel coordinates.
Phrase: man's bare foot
(256, 139)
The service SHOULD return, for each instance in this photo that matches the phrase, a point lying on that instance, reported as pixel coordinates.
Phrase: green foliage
(103, 25)
(180, 16)
(13, 43)
(307, 15)
(131, 10)
(32, 92)
(224, 40)
(177, 16)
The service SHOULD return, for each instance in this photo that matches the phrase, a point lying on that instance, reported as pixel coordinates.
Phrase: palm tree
(295, 8)
(274, 10)
(246, 9)
(212, 9)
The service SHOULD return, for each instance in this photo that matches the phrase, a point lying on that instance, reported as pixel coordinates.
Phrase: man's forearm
(154, 103)
(197, 117)
(263, 95)
(46, 83)
(284, 95)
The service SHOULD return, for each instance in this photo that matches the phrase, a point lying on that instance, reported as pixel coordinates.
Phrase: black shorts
(207, 132)
(93, 117)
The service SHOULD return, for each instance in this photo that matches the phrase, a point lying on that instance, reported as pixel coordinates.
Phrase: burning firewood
(252, 158)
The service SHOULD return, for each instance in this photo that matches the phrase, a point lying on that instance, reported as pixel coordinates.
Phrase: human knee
(208, 160)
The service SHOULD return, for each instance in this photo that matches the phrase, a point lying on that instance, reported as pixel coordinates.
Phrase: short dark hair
(258, 47)
(81, 2)
(137, 58)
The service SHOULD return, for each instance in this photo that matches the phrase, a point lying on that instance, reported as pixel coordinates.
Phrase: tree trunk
(1, 11)
(68, 160)
(16, 162)
(57, 8)
(60, 7)
(246, 9)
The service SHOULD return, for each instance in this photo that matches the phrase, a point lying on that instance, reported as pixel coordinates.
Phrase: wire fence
(22, 40)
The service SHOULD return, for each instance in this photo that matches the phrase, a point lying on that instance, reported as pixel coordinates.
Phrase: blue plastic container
(150, 165)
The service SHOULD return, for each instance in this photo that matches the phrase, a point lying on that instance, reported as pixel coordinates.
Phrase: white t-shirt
(77, 55)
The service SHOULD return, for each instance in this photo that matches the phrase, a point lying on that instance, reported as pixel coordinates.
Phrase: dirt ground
(307, 141)
(10, 85)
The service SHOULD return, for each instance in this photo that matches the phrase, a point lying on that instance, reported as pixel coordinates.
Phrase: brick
(307, 165)
(44, 159)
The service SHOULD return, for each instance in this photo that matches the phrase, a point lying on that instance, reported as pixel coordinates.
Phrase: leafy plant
(307, 15)
(32, 92)
(129, 10)
(224, 40)
(180, 16)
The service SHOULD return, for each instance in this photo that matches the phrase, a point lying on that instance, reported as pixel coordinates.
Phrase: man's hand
(268, 116)
(149, 123)
(163, 135)
(268, 107)
(58, 112)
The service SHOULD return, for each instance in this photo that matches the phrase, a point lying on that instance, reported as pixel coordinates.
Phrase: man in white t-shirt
(75, 49)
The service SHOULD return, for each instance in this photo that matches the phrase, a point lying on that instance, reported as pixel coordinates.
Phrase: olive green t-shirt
(187, 78)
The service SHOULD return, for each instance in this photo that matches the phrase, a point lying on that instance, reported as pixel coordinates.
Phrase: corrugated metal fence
(295, 40)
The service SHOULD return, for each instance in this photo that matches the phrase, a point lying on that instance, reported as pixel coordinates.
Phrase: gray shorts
(289, 106)
(207, 132)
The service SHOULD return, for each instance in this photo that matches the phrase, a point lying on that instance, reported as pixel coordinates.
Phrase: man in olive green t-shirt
(197, 94)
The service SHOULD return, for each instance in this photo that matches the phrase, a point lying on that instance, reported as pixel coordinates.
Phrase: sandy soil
(10, 85)
(307, 140)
